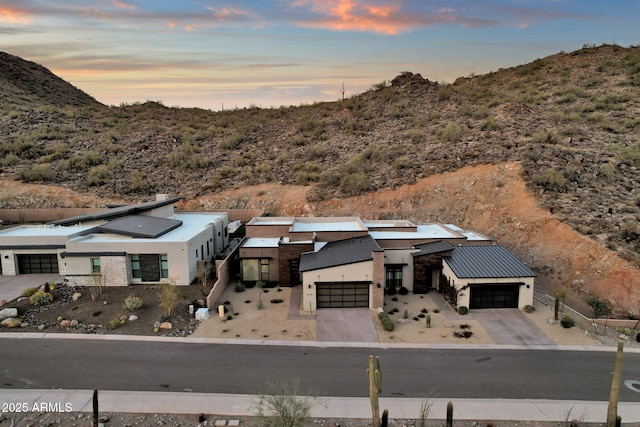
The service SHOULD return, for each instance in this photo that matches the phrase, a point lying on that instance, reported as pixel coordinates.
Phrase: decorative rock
(402, 321)
(221, 423)
(41, 327)
(65, 323)
(76, 296)
(157, 324)
(166, 325)
(132, 318)
(74, 323)
(123, 317)
(22, 299)
(12, 322)
(552, 321)
(24, 324)
(8, 313)
(233, 423)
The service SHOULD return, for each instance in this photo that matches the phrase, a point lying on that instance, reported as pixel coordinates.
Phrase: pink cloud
(13, 15)
(123, 5)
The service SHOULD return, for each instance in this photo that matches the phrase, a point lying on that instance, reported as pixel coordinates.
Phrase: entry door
(149, 267)
(294, 272)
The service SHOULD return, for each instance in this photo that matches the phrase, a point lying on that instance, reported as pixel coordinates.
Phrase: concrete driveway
(11, 287)
(345, 325)
(510, 326)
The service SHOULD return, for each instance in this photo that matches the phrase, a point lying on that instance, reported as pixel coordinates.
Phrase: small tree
(204, 271)
(282, 407)
(599, 308)
(168, 297)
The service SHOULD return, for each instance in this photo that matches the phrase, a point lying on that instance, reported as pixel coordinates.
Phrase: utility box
(202, 314)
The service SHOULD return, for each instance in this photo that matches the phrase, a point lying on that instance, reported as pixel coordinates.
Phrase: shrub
(388, 325)
(132, 303)
(463, 334)
(283, 407)
(450, 133)
(436, 310)
(463, 310)
(40, 298)
(168, 298)
(529, 309)
(382, 315)
(403, 291)
(28, 292)
(239, 287)
(114, 323)
(391, 291)
(567, 322)
(37, 173)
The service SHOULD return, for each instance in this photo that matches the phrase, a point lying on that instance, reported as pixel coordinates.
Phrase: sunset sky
(237, 53)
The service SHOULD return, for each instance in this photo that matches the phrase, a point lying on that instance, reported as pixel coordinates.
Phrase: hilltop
(569, 124)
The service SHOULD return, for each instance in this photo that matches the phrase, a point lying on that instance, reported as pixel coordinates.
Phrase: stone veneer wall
(223, 271)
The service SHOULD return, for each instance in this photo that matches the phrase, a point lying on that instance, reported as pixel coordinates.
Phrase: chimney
(162, 197)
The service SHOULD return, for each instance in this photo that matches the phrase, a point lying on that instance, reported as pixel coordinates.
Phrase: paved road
(247, 369)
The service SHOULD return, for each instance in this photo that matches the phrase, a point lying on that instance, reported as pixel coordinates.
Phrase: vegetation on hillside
(571, 119)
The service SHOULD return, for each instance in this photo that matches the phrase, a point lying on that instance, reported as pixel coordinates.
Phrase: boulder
(157, 324)
(76, 296)
(74, 323)
(12, 322)
(166, 325)
(65, 323)
(132, 318)
(8, 313)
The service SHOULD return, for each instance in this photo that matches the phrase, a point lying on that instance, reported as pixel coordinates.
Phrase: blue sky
(237, 53)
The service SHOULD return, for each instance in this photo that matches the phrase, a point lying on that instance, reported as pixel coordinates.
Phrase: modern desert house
(138, 243)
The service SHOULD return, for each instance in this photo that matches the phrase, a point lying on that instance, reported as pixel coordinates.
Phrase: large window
(393, 277)
(255, 269)
(95, 265)
(135, 267)
(164, 266)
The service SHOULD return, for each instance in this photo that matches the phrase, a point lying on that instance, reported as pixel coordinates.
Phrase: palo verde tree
(599, 308)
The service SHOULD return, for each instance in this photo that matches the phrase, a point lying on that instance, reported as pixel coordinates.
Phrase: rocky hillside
(570, 121)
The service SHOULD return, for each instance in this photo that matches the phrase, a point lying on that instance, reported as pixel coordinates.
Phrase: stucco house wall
(401, 257)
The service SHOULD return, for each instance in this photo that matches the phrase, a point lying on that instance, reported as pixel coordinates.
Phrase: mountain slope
(27, 83)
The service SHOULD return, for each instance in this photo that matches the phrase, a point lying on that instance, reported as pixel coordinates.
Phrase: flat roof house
(351, 262)
(140, 243)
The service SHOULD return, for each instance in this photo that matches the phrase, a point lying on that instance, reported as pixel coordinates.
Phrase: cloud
(13, 15)
(385, 17)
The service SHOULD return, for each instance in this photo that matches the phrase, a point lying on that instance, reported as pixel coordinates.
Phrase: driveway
(510, 326)
(11, 287)
(345, 325)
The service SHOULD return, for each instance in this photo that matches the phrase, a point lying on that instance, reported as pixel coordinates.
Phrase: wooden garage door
(342, 295)
(37, 263)
(494, 296)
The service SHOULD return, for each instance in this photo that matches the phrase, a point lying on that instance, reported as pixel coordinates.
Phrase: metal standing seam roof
(486, 261)
(340, 252)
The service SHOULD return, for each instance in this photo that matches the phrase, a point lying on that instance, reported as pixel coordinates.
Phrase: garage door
(494, 296)
(38, 263)
(342, 295)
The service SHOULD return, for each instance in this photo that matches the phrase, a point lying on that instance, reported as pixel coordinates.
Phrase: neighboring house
(142, 243)
(351, 262)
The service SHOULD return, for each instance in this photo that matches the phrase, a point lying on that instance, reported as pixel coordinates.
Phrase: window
(164, 266)
(393, 277)
(95, 265)
(264, 270)
(135, 267)
(255, 269)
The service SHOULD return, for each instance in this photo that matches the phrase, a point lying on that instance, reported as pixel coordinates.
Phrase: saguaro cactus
(449, 414)
(612, 410)
(375, 388)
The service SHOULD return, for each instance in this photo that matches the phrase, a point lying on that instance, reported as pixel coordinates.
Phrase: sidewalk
(235, 405)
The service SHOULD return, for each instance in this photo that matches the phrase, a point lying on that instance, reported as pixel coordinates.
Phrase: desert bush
(444, 92)
(282, 407)
(41, 298)
(551, 179)
(463, 310)
(114, 323)
(354, 183)
(567, 322)
(37, 173)
(403, 291)
(168, 298)
(452, 132)
(545, 137)
(28, 292)
(239, 287)
(98, 175)
(232, 142)
(463, 334)
(529, 309)
(132, 303)
(491, 124)
(388, 325)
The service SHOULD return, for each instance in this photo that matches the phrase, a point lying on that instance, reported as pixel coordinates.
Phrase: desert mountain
(566, 127)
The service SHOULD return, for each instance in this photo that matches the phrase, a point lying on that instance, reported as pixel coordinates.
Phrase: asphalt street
(333, 371)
